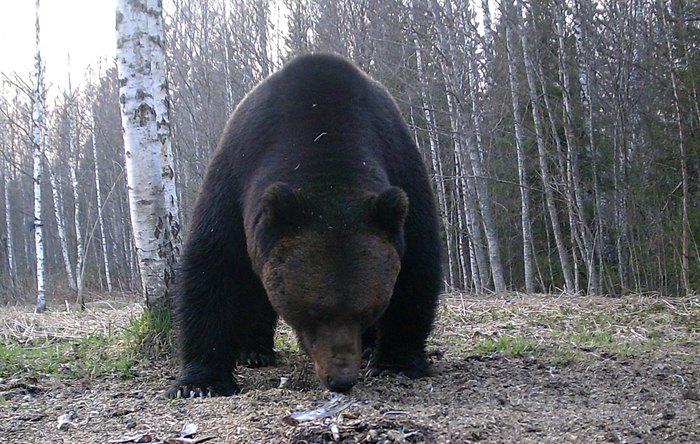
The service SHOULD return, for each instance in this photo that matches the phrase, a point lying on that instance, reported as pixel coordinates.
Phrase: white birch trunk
(481, 180)
(57, 206)
(488, 33)
(172, 241)
(520, 151)
(483, 195)
(36, 135)
(142, 145)
(471, 182)
(227, 68)
(465, 184)
(100, 220)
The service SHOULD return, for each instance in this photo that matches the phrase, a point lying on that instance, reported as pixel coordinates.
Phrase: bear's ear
(281, 205)
(389, 210)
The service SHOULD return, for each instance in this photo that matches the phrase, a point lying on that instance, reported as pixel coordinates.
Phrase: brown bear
(316, 207)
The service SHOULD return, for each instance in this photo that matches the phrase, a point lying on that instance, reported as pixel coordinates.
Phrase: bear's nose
(341, 384)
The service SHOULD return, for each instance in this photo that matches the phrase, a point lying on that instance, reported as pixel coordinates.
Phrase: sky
(82, 28)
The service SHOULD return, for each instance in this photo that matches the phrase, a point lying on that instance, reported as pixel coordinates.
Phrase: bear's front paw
(256, 358)
(184, 388)
(413, 365)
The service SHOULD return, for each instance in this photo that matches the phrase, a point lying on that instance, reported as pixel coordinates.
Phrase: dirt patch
(535, 369)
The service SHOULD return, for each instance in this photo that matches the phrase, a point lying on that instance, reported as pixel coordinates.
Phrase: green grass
(567, 355)
(88, 357)
(506, 345)
(151, 334)
(114, 354)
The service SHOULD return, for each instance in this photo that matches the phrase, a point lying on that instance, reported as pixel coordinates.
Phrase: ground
(505, 369)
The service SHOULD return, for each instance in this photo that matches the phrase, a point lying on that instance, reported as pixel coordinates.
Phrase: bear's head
(329, 264)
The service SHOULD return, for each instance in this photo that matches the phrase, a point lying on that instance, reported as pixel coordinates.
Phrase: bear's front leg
(209, 313)
(404, 328)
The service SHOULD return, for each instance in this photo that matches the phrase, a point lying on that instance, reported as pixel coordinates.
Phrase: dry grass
(631, 324)
(21, 325)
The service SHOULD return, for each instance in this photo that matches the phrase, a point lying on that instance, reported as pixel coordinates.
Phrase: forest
(562, 137)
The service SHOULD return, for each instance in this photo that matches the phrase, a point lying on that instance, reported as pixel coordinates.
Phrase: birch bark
(582, 57)
(454, 73)
(37, 173)
(58, 214)
(172, 241)
(143, 144)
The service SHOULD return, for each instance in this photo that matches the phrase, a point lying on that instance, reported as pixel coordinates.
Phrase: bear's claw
(256, 358)
(202, 386)
(189, 391)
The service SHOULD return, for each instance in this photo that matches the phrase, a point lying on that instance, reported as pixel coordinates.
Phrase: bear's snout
(336, 351)
(342, 383)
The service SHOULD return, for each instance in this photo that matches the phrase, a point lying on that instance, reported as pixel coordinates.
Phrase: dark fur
(333, 141)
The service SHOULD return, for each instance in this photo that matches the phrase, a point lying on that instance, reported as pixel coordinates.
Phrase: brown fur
(304, 213)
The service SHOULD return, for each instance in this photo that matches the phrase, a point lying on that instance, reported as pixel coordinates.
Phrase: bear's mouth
(336, 351)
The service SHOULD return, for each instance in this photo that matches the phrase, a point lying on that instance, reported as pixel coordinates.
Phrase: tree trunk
(563, 173)
(435, 160)
(60, 225)
(38, 154)
(587, 102)
(227, 61)
(520, 151)
(544, 166)
(9, 232)
(150, 214)
(480, 179)
(685, 222)
(572, 160)
(73, 168)
(100, 220)
(172, 241)
(7, 179)
(488, 33)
